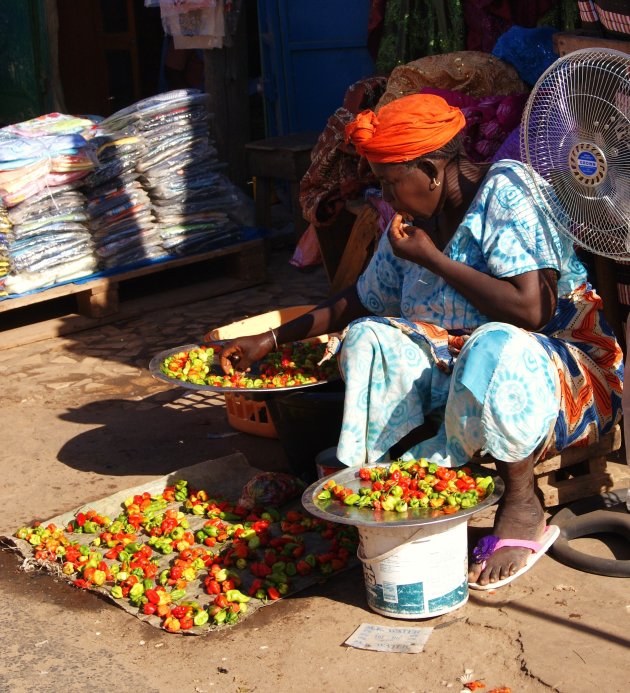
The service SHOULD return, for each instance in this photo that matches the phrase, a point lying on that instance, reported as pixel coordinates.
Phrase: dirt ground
(82, 418)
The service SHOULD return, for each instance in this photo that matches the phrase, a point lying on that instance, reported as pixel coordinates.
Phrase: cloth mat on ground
(307, 540)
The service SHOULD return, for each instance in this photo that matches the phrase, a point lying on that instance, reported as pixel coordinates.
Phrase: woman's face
(409, 190)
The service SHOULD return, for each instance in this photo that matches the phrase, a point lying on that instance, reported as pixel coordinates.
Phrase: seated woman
(475, 335)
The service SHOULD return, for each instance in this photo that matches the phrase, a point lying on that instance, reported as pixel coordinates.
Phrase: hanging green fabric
(415, 28)
(565, 16)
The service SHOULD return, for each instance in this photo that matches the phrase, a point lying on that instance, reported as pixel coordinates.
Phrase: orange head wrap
(405, 129)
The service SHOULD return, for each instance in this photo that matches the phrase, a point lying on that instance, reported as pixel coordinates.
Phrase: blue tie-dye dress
(495, 389)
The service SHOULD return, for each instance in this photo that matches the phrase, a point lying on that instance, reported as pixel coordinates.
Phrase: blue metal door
(311, 52)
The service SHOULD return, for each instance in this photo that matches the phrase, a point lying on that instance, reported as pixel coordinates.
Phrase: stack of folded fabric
(121, 222)
(41, 164)
(191, 199)
(5, 237)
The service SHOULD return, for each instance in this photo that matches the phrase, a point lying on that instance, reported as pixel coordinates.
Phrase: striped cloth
(609, 18)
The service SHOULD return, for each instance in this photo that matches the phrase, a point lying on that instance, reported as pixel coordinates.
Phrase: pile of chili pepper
(294, 365)
(413, 484)
(162, 548)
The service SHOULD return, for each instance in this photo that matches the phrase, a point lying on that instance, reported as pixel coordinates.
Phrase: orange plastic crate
(244, 413)
(247, 415)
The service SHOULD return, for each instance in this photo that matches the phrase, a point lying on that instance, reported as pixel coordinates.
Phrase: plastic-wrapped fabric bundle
(52, 124)
(50, 234)
(20, 282)
(121, 222)
(41, 163)
(31, 164)
(5, 260)
(192, 200)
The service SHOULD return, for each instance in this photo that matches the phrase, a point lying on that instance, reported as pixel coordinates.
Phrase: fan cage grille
(575, 136)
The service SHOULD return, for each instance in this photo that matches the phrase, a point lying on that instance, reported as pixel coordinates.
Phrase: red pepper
(260, 569)
(221, 601)
(153, 596)
(227, 585)
(294, 516)
(303, 568)
(212, 586)
(255, 586)
(186, 622)
(180, 611)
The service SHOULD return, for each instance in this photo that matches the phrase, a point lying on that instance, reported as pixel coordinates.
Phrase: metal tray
(334, 511)
(156, 362)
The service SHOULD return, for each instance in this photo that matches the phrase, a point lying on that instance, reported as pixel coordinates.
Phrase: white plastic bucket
(326, 463)
(415, 571)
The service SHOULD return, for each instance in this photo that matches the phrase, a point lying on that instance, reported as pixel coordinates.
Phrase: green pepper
(136, 591)
(116, 592)
(271, 514)
(388, 503)
(236, 596)
(253, 542)
(201, 618)
(220, 616)
(99, 578)
(229, 516)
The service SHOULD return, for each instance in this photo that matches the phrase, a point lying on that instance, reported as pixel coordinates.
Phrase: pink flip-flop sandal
(488, 545)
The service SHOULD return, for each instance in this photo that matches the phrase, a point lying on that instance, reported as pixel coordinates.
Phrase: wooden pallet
(576, 472)
(97, 301)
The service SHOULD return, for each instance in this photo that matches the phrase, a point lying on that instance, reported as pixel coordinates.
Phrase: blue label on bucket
(449, 601)
(398, 599)
(409, 600)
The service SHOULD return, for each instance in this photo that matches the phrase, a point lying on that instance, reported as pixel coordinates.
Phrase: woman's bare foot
(519, 516)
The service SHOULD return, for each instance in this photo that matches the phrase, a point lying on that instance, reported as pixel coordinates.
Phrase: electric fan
(575, 135)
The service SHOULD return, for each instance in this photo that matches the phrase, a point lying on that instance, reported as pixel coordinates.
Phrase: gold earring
(435, 183)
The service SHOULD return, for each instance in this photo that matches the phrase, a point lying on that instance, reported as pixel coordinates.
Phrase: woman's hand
(411, 243)
(239, 354)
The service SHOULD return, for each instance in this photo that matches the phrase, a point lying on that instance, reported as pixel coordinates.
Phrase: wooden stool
(285, 158)
(576, 472)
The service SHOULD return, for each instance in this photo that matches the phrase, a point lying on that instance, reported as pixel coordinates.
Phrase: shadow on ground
(160, 433)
